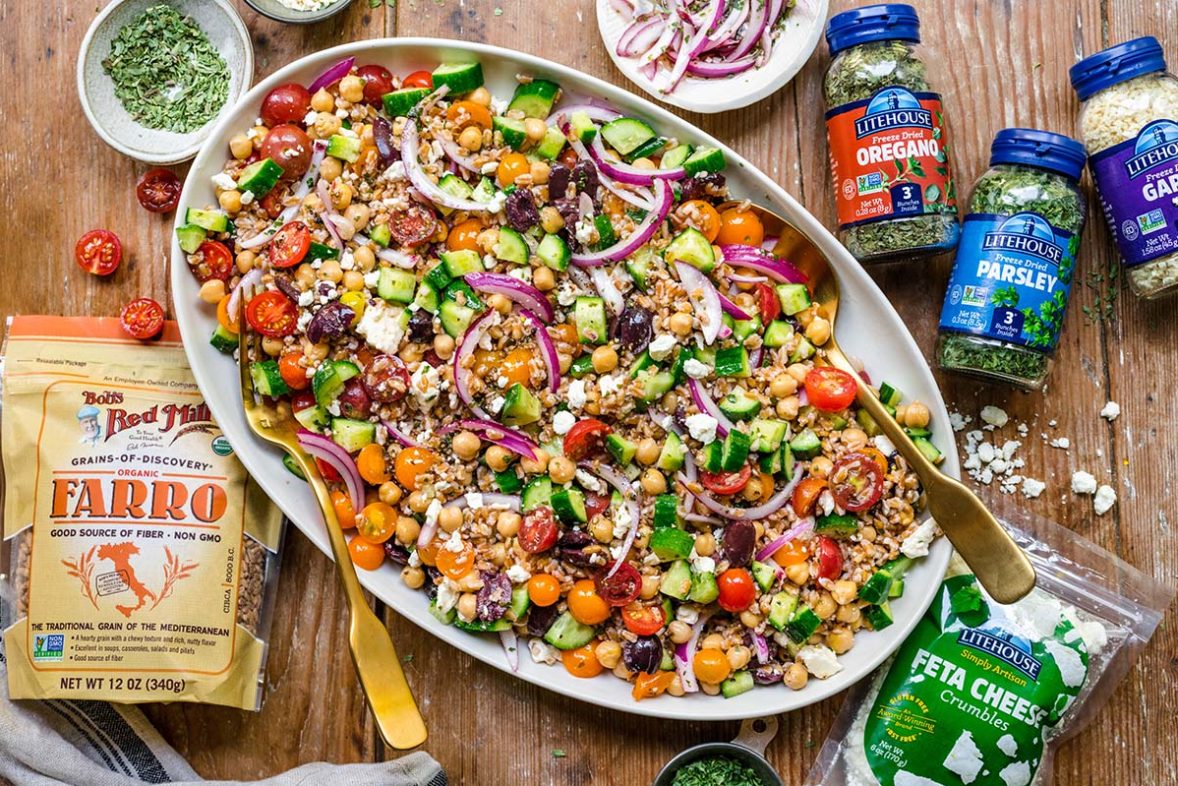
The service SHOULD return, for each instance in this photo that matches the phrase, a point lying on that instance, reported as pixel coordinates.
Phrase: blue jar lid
(1117, 64)
(885, 22)
(1041, 149)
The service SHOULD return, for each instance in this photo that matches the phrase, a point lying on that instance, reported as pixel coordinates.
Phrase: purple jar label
(1137, 182)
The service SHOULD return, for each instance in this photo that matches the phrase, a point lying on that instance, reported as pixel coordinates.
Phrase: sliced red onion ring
(337, 458)
(796, 531)
(623, 7)
(250, 279)
(633, 501)
(608, 290)
(398, 258)
(725, 30)
(630, 175)
(601, 114)
(332, 75)
(751, 35)
(769, 243)
(513, 289)
(775, 503)
(455, 154)
(717, 70)
(400, 436)
(470, 340)
(701, 519)
(643, 201)
(547, 349)
(664, 41)
(685, 654)
(510, 644)
(640, 36)
(760, 648)
(708, 406)
(755, 259)
(638, 238)
(695, 46)
(733, 310)
(704, 297)
(327, 213)
(429, 189)
(748, 279)
(497, 434)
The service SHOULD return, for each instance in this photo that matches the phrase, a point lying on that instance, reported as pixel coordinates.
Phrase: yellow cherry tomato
(517, 367)
(371, 464)
(740, 226)
(411, 464)
(543, 589)
(581, 662)
(455, 564)
(711, 665)
(465, 236)
(376, 522)
(465, 113)
(365, 554)
(512, 166)
(586, 606)
(701, 215)
(648, 686)
(792, 553)
(343, 509)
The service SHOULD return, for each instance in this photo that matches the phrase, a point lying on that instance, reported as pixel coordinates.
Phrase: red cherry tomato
(272, 314)
(285, 104)
(737, 591)
(272, 202)
(386, 379)
(538, 531)
(585, 437)
(595, 504)
(830, 389)
(419, 79)
(768, 303)
(622, 587)
(413, 225)
(726, 482)
(643, 620)
(158, 190)
(290, 148)
(378, 80)
(329, 474)
(99, 252)
(856, 482)
(142, 318)
(301, 401)
(830, 558)
(211, 260)
(290, 245)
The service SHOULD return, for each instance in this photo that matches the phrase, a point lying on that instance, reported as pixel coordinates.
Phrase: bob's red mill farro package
(140, 558)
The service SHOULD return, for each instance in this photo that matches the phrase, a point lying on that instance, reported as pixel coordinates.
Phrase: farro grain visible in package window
(141, 557)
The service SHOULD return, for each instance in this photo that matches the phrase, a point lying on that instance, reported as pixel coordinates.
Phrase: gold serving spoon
(992, 555)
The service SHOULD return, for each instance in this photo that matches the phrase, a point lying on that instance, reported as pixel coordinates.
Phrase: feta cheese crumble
(1106, 497)
(916, 544)
(563, 421)
(1033, 488)
(662, 345)
(819, 660)
(1083, 483)
(696, 369)
(577, 396)
(702, 428)
(1111, 411)
(994, 416)
(518, 574)
(381, 327)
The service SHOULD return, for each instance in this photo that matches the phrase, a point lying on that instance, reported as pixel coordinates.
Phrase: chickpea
(844, 591)
(341, 196)
(680, 323)
(466, 445)
(566, 361)
(330, 270)
(212, 290)
(450, 519)
(358, 214)
(500, 303)
(840, 640)
(480, 96)
(805, 316)
(488, 239)
(540, 173)
(818, 331)
(608, 653)
(326, 125)
(468, 606)
(543, 279)
(853, 438)
(272, 346)
(917, 415)
(331, 168)
(648, 452)
(345, 227)
(796, 676)
(313, 203)
(535, 467)
(798, 371)
(783, 385)
(868, 534)
(551, 221)
(414, 578)
(351, 88)
(245, 261)
(365, 258)
(535, 129)
(241, 146)
(443, 346)
(654, 482)
(498, 458)
(709, 688)
(849, 614)
(621, 672)
(561, 469)
(643, 163)
(230, 201)
(821, 466)
(407, 529)
(679, 631)
(507, 525)
(650, 587)
(323, 101)
(713, 641)
(353, 281)
(499, 554)
(418, 502)
(752, 489)
(470, 582)
(605, 359)
(676, 687)
(798, 573)
(315, 352)
(750, 618)
(825, 606)
(739, 656)
(705, 544)
(471, 138)
(602, 529)
(788, 407)
(411, 353)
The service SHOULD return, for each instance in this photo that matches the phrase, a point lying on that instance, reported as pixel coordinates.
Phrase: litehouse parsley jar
(1009, 288)
(889, 157)
(1129, 123)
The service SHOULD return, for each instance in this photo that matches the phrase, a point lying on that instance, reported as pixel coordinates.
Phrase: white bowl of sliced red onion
(710, 55)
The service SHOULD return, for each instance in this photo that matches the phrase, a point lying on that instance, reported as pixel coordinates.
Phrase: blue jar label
(1011, 279)
(1137, 181)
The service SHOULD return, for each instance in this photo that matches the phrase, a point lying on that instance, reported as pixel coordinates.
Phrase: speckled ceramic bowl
(281, 13)
(96, 90)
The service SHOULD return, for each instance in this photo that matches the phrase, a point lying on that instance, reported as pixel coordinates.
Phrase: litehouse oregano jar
(889, 157)
(1129, 122)
(1008, 292)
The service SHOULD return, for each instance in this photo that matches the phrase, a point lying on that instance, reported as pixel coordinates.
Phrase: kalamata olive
(540, 619)
(738, 541)
(584, 176)
(645, 654)
(329, 322)
(432, 575)
(558, 181)
(633, 328)
(354, 401)
(571, 547)
(521, 210)
(768, 675)
(421, 326)
(570, 211)
(396, 553)
(286, 286)
(704, 185)
(382, 134)
(494, 598)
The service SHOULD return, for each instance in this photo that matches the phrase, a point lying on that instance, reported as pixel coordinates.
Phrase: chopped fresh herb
(558, 753)
(718, 771)
(407, 658)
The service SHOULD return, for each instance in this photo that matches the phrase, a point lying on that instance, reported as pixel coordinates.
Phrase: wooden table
(998, 64)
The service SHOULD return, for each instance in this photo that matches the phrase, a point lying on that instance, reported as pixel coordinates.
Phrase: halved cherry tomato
(272, 314)
(99, 252)
(538, 530)
(586, 606)
(711, 665)
(517, 367)
(856, 482)
(737, 591)
(768, 303)
(378, 80)
(371, 464)
(411, 464)
(288, 146)
(386, 379)
(512, 166)
(429, 552)
(595, 504)
(285, 104)
(142, 318)
(792, 553)
(726, 482)
(830, 558)
(455, 564)
(643, 620)
(413, 225)
(290, 244)
(328, 472)
(365, 554)
(211, 260)
(419, 79)
(293, 374)
(740, 226)
(621, 588)
(701, 215)
(830, 389)
(465, 113)
(301, 401)
(649, 686)
(343, 509)
(158, 190)
(227, 320)
(543, 589)
(465, 236)
(877, 456)
(581, 662)
(376, 522)
(272, 202)
(585, 437)
(806, 495)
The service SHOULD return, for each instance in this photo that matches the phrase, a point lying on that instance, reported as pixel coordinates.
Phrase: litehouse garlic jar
(1129, 122)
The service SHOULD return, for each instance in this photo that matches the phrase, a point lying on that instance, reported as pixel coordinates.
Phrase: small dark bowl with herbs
(736, 763)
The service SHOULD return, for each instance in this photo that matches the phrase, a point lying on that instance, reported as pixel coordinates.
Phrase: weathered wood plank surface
(998, 64)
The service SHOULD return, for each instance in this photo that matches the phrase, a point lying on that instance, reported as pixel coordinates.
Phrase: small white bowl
(792, 48)
(96, 90)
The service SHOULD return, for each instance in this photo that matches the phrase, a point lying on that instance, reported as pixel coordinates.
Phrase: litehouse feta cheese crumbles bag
(139, 557)
(981, 694)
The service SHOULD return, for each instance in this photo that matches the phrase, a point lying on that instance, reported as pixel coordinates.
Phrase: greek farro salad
(556, 377)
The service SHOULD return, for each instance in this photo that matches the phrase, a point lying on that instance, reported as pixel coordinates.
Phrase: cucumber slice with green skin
(740, 405)
(644, 362)
(914, 431)
(768, 434)
(638, 266)
(484, 192)
(676, 581)
(352, 435)
(778, 334)
(897, 589)
(520, 406)
(743, 328)
(733, 362)
(461, 293)
(554, 252)
(711, 459)
(671, 456)
(261, 176)
(536, 494)
(622, 449)
(879, 585)
(803, 351)
(481, 626)
(666, 511)
(190, 236)
(455, 186)
(793, 297)
(675, 157)
(671, 543)
(223, 340)
(327, 383)
(735, 451)
(836, 525)
(427, 297)
(396, 285)
(439, 277)
(292, 466)
(511, 247)
(511, 130)
(685, 354)
(444, 617)
(704, 589)
(626, 134)
(551, 145)
(889, 395)
(867, 423)
(781, 609)
(400, 103)
(655, 384)
(738, 683)
(313, 418)
(802, 625)
(345, 148)
(787, 461)
(582, 365)
(320, 251)
(929, 450)
(582, 127)
(267, 379)
(589, 316)
(705, 159)
(345, 369)
(520, 602)
(566, 633)
(764, 574)
(508, 481)
(380, 234)
(212, 220)
(535, 98)
(459, 263)
(455, 318)
(837, 422)
(606, 236)
(459, 77)
(646, 150)
(691, 246)
(880, 616)
(806, 444)
(569, 505)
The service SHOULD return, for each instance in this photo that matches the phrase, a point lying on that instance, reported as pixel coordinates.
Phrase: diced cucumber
(537, 493)
(606, 236)
(190, 236)
(554, 252)
(511, 247)
(535, 98)
(459, 263)
(380, 234)
(320, 251)
(638, 266)
(879, 616)
(292, 466)
(512, 130)
(743, 328)
(793, 297)
(655, 384)
(439, 277)
(552, 143)
(566, 633)
(733, 362)
(459, 77)
(685, 353)
(890, 395)
(582, 126)
(396, 285)
(455, 186)
(647, 149)
(267, 379)
(675, 157)
(455, 318)
(482, 626)
(802, 625)
(313, 418)
(739, 404)
(671, 456)
(767, 434)
(778, 334)
(644, 362)
(676, 581)
(400, 103)
(485, 191)
(666, 511)
(704, 589)
(691, 246)
(878, 586)
(520, 406)
(589, 316)
(351, 435)
(327, 383)
(212, 220)
(712, 458)
(581, 365)
(569, 505)
(740, 682)
(626, 134)
(916, 431)
(836, 525)
(867, 423)
(705, 159)
(735, 451)
(781, 609)
(671, 543)
(805, 444)
(764, 574)
(259, 177)
(929, 450)
(345, 148)
(520, 602)
(427, 297)
(223, 340)
(622, 449)
(803, 351)
(508, 481)
(444, 617)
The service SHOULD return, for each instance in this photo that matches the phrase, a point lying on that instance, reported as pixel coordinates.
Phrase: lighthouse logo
(1156, 144)
(893, 107)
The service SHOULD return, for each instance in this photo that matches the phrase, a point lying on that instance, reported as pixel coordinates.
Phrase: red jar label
(888, 157)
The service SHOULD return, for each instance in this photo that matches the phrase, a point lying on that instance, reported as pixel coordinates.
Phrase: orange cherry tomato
(465, 113)
(806, 495)
(411, 464)
(456, 564)
(376, 522)
(793, 553)
(227, 320)
(543, 589)
(711, 665)
(564, 333)
(512, 166)
(429, 553)
(740, 226)
(648, 686)
(294, 375)
(517, 367)
(586, 606)
(701, 215)
(877, 456)
(343, 509)
(371, 464)
(465, 236)
(365, 554)
(581, 662)
(766, 486)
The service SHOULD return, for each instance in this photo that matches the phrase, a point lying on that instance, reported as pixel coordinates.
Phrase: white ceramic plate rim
(216, 374)
(803, 30)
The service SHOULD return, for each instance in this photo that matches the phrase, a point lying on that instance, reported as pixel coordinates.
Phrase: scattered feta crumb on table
(1111, 411)
(1106, 497)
